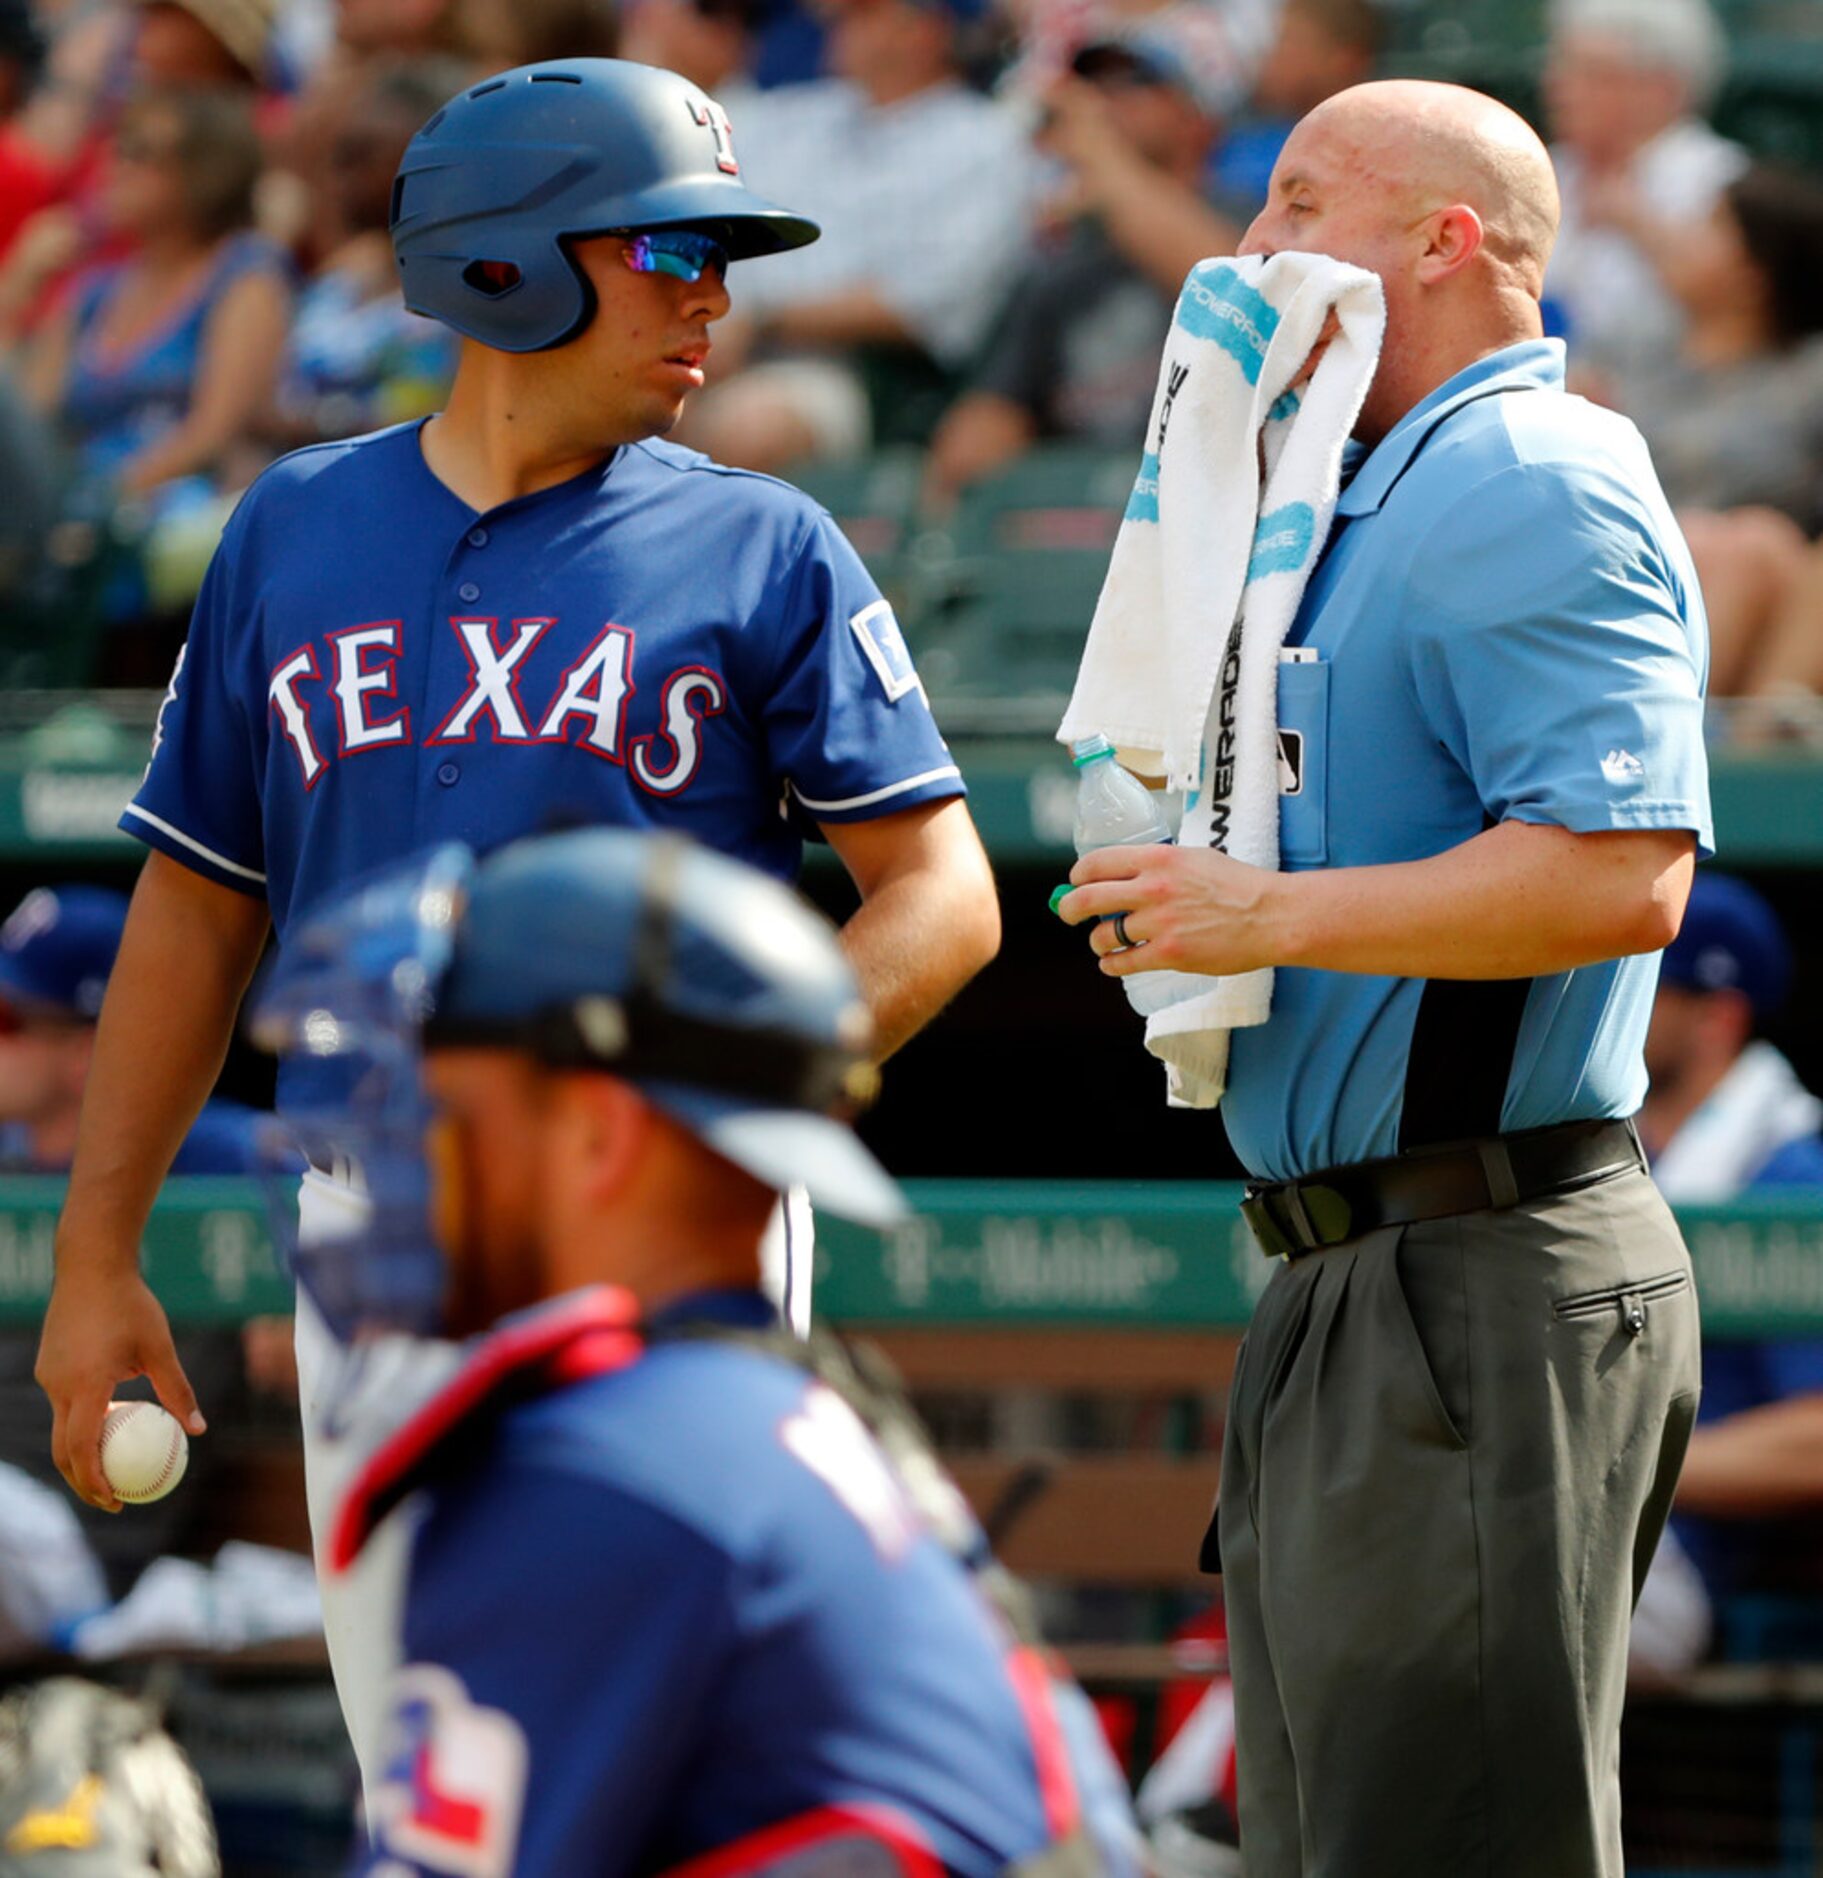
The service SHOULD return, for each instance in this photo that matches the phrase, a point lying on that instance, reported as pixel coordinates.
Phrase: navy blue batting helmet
(714, 988)
(495, 184)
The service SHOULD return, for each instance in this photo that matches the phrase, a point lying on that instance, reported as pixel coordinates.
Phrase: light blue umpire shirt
(1505, 626)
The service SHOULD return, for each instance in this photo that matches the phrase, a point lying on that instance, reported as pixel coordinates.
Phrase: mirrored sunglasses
(679, 252)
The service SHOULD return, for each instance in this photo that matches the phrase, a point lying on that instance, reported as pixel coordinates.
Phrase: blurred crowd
(195, 272)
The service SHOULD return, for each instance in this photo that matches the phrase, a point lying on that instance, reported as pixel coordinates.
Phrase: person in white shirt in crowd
(924, 190)
(1625, 84)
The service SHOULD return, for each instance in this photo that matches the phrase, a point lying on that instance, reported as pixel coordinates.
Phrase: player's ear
(613, 1122)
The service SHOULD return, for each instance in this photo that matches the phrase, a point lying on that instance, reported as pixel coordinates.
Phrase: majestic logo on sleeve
(342, 696)
(454, 1786)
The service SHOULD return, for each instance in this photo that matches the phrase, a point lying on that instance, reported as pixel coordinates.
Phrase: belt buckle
(1270, 1236)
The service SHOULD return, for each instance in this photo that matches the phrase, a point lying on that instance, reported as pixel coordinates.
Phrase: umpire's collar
(1533, 365)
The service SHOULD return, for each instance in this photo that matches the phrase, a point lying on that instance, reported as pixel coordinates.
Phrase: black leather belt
(1335, 1204)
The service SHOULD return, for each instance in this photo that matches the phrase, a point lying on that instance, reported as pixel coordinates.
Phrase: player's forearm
(1762, 1461)
(185, 959)
(929, 918)
(913, 947)
(1519, 901)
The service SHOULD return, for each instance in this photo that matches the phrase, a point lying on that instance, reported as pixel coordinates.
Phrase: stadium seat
(1009, 589)
(874, 500)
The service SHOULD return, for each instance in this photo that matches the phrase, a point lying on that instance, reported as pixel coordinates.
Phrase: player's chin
(665, 409)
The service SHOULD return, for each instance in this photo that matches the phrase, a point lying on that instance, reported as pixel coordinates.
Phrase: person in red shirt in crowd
(27, 182)
(61, 134)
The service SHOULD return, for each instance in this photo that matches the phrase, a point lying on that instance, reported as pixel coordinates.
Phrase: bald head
(1436, 145)
(1446, 195)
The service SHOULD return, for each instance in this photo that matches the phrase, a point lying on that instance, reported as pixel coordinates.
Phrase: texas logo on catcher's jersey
(660, 642)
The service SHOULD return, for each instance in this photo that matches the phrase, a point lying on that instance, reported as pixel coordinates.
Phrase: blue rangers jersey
(374, 667)
(668, 1607)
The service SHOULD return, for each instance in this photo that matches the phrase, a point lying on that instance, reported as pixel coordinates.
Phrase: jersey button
(477, 537)
(468, 591)
(447, 773)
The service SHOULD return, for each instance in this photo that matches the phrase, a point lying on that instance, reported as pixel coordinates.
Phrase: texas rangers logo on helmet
(715, 120)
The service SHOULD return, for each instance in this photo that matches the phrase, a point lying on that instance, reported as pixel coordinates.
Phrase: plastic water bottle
(1114, 809)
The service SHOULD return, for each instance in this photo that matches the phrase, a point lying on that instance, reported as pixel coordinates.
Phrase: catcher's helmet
(495, 183)
(715, 989)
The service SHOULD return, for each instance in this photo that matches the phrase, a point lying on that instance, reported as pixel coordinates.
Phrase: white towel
(1180, 671)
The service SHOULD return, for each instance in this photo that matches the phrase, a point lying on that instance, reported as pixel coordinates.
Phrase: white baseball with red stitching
(144, 1451)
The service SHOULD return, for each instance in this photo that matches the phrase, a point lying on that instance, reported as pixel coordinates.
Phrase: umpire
(1466, 1392)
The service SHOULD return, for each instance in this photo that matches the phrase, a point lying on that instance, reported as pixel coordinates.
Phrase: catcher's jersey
(660, 642)
(682, 1606)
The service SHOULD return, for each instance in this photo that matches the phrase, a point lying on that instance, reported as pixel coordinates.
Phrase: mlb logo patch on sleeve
(454, 1786)
(887, 652)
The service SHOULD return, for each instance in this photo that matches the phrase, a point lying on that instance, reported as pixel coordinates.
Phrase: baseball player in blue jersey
(524, 611)
(675, 1598)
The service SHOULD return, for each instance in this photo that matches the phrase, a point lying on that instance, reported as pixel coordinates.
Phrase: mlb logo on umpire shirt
(887, 652)
(1291, 762)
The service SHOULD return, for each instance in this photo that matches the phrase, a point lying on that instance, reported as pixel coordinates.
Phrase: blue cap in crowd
(1731, 940)
(57, 949)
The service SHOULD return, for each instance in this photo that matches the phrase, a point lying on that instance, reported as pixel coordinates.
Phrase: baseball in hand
(144, 1451)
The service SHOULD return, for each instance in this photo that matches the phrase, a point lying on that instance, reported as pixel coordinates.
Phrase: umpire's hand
(1184, 909)
(97, 1332)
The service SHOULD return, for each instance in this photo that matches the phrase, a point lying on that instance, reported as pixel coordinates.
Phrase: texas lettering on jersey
(352, 675)
(374, 667)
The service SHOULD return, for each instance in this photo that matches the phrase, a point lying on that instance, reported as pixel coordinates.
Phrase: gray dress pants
(1450, 1453)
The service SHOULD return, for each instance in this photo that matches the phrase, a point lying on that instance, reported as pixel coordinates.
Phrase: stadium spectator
(1624, 83)
(404, 28)
(356, 359)
(1738, 419)
(923, 190)
(366, 31)
(101, 57)
(712, 42)
(1787, 667)
(1226, 42)
(185, 43)
(1076, 352)
(162, 363)
(1736, 424)
(28, 182)
(1726, 1114)
(499, 34)
(56, 952)
(1320, 47)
